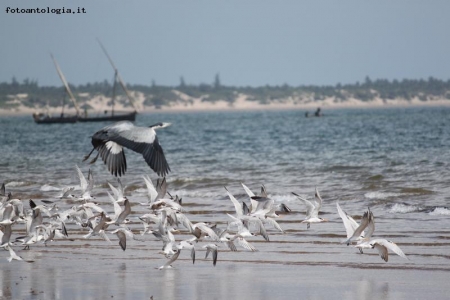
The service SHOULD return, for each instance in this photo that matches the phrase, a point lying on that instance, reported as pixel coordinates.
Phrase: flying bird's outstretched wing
(111, 141)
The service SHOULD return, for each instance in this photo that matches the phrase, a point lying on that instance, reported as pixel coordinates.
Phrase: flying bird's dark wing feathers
(124, 142)
(149, 147)
(117, 163)
(122, 240)
(152, 153)
(113, 162)
(214, 257)
(32, 204)
(158, 155)
(126, 211)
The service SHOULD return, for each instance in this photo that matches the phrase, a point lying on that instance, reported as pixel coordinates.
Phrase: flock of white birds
(166, 216)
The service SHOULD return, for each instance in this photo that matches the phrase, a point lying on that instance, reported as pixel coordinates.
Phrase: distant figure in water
(318, 113)
(306, 114)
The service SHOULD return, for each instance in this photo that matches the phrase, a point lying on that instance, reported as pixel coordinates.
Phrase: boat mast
(122, 84)
(66, 85)
(63, 103)
(113, 98)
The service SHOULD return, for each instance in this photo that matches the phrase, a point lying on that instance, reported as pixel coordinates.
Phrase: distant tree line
(159, 95)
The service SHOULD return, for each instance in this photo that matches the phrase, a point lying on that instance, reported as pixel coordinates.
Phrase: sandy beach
(242, 103)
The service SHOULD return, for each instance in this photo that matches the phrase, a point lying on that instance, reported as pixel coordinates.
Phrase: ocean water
(395, 161)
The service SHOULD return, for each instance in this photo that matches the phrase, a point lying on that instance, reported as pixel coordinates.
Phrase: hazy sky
(248, 42)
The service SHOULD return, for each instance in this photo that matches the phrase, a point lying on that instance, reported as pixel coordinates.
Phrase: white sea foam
(198, 194)
(285, 198)
(380, 195)
(17, 183)
(49, 188)
(440, 211)
(187, 179)
(401, 208)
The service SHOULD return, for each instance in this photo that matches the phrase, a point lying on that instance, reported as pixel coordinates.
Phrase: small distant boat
(317, 113)
(114, 116)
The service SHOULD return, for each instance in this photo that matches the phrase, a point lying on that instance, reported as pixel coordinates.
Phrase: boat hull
(73, 119)
(119, 117)
(55, 120)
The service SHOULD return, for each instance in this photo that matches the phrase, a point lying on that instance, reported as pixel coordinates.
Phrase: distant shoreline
(241, 105)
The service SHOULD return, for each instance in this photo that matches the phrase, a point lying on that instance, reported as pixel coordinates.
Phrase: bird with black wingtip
(111, 140)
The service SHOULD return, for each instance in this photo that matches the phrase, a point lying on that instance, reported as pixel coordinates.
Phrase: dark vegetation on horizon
(158, 95)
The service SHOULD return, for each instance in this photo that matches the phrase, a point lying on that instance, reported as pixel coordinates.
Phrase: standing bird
(110, 141)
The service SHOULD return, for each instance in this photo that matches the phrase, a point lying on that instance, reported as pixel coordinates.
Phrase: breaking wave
(404, 208)
(440, 211)
(380, 195)
(49, 188)
(18, 183)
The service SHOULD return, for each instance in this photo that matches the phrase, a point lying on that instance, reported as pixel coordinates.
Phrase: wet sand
(299, 264)
(131, 275)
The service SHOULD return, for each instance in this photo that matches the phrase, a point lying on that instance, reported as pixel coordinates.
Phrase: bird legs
(94, 159)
